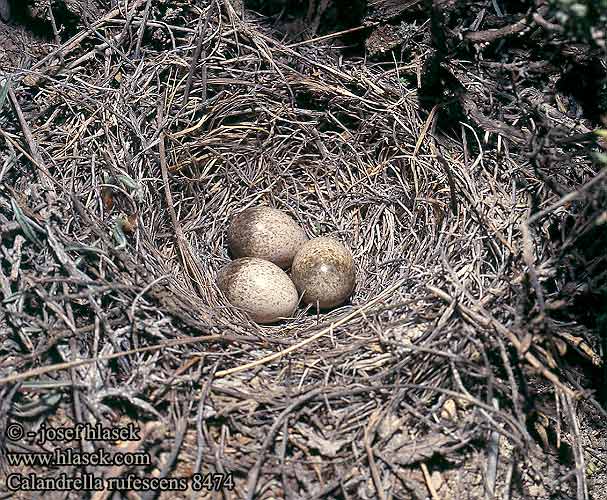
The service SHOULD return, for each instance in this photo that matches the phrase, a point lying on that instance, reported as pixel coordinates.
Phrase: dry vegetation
(469, 362)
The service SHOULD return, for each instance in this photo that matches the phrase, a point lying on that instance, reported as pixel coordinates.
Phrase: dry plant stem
(282, 455)
(450, 180)
(490, 322)
(315, 337)
(200, 34)
(193, 272)
(344, 484)
(516, 403)
(373, 466)
(569, 197)
(547, 25)
(132, 447)
(199, 422)
(331, 35)
(29, 138)
(39, 166)
(73, 364)
(235, 21)
(253, 476)
(146, 15)
(412, 486)
(55, 32)
(490, 125)
(578, 450)
(145, 290)
(531, 271)
(73, 42)
(492, 459)
(496, 34)
(508, 481)
(182, 369)
(428, 480)
(424, 131)
(180, 432)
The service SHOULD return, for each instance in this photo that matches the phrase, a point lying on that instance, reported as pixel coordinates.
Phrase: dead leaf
(389, 425)
(449, 410)
(326, 447)
(422, 449)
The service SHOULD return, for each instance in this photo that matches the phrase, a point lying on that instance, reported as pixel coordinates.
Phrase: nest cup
(374, 230)
(328, 191)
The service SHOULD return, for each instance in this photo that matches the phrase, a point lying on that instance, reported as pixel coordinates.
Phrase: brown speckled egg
(266, 233)
(323, 270)
(260, 288)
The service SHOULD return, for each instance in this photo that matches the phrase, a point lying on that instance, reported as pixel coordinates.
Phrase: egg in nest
(266, 233)
(323, 271)
(258, 287)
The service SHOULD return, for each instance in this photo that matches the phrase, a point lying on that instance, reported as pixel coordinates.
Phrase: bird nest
(128, 149)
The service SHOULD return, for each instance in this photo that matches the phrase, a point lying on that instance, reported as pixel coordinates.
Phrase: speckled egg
(323, 270)
(260, 288)
(266, 233)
